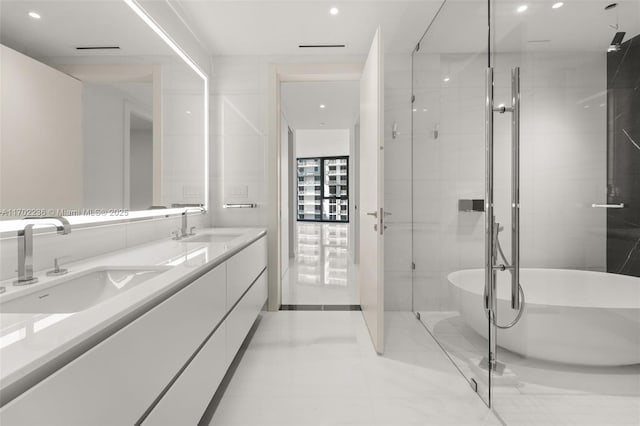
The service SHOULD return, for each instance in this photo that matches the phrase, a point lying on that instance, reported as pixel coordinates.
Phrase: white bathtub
(576, 317)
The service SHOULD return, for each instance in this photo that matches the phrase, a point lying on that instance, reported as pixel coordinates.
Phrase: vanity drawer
(114, 382)
(243, 316)
(187, 399)
(244, 268)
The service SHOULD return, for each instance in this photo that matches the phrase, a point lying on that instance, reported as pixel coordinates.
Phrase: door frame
(278, 74)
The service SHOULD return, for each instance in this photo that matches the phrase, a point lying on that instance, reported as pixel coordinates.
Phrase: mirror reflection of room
(93, 117)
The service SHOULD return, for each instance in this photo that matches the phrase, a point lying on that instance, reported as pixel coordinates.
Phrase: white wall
(284, 188)
(293, 199)
(182, 135)
(103, 133)
(563, 165)
(141, 169)
(354, 187)
(397, 182)
(239, 133)
(322, 143)
(41, 135)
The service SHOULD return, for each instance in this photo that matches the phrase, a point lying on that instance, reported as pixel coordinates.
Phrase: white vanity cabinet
(187, 399)
(171, 359)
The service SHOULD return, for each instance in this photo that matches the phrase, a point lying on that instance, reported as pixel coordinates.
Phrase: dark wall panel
(623, 158)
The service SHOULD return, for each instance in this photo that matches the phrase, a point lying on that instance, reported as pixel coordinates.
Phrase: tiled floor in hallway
(319, 368)
(322, 272)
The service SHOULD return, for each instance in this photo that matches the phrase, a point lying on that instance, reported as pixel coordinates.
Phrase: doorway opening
(318, 180)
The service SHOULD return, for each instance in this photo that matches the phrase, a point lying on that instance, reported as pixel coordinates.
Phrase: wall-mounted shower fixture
(465, 205)
(394, 131)
(616, 42)
(436, 131)
(491, 226)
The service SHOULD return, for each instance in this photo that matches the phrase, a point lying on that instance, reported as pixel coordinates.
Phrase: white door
(371, 204)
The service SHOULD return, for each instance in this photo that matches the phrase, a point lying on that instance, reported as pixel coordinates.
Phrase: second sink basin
(211, 238)
(82, 291)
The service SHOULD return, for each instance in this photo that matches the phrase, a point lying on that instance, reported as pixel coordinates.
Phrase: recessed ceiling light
(322, 106)
(557, 5)
(414, 110)
(334, 11)
(446, 79)
(187, 112)
(522, 8)
(424, 110)
(34, 15)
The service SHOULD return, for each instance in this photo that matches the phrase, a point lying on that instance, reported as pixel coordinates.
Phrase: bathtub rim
(455, 278)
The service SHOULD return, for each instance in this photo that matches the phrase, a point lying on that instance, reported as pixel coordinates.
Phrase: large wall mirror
(100, 115)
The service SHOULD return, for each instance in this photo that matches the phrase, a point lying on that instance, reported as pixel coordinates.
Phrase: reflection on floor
(535, 392)
(322, 273)
(319, 368)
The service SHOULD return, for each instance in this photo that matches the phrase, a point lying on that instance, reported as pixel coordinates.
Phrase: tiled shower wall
(563, 164)
(623, 225)
(397, 182)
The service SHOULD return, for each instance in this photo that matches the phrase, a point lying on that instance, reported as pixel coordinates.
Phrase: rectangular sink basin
(211, 238)
(82, 291)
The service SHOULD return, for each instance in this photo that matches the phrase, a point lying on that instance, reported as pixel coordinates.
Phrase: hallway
(322, 272)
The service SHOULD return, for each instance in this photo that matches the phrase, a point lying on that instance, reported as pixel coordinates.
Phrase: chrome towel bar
(240, 206)
(608, 206)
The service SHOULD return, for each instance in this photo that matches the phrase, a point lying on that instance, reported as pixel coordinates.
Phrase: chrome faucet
(184, 227)
(25, 248)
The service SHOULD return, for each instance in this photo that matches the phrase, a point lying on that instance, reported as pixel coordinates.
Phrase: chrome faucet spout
(25, 246)
(184, 227)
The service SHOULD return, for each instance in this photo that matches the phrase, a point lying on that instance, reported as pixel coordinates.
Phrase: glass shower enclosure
(526, 204)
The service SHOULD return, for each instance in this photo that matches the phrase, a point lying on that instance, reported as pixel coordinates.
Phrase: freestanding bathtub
(576, 317)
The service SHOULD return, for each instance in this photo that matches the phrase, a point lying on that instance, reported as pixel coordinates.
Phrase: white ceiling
(67, 24)
(301, 104)
(579, 25)
(232, 27)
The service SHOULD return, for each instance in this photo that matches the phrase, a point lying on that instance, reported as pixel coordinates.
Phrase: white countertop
(32, 345)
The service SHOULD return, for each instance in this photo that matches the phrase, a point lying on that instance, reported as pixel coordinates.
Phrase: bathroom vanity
(120, 343)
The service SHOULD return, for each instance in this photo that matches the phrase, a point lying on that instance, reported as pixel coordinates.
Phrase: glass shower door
(573, 357)
(448, 186)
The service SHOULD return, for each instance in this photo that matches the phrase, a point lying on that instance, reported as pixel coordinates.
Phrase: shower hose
(520, 291)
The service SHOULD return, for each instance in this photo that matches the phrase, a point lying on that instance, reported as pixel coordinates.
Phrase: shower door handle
(489, 277)
(515, 188)
(490, 223)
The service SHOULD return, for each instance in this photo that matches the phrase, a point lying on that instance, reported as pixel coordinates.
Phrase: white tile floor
(319, 368)
(542, 393)
(322, 273)
(308, 368)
